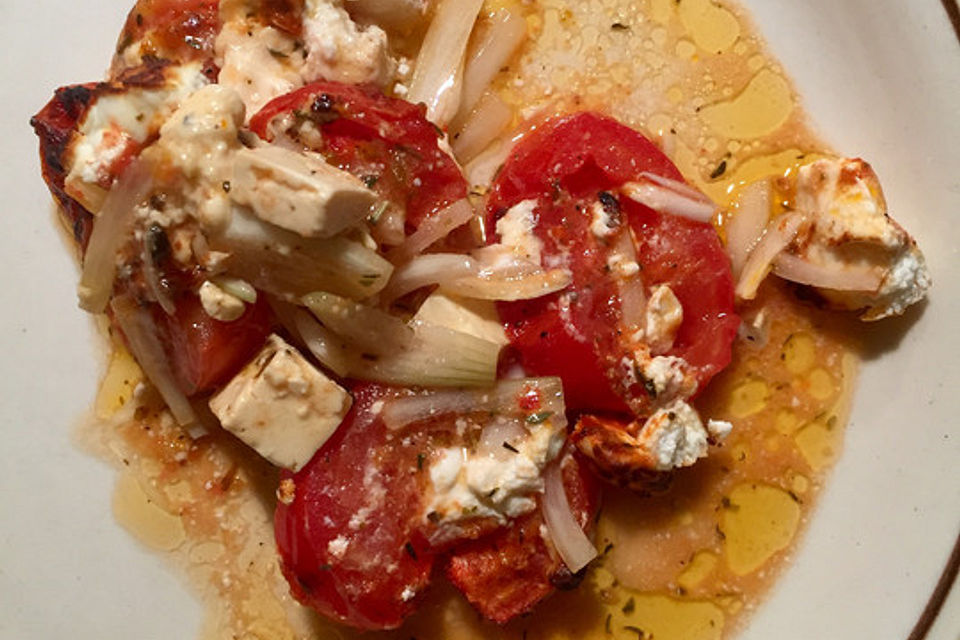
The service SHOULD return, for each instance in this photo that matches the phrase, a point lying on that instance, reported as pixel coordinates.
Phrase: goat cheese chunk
(299, 192)
(259, 63)
(675, 437)
(515, 229)
(340, 50)
(851, 250)
(281, 405)
(220, 305)
(119, 121)
(499, 477)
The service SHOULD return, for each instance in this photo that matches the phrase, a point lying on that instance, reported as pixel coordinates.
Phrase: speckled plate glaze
(881, 79)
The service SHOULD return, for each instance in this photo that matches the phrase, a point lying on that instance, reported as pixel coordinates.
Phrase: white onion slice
(496, 274)
(322, 343)
(425, 270)
(502, 399)
(485, 123)
(438, 74)
(110, 231)
(839, 277)
(671, 197)
(747, 223)
(486, 56)
(141, 334)
(382, 347)
(565, 532)
(432, 229)
(779, 234)
(487, 286)
(633, 294)
(484, 166)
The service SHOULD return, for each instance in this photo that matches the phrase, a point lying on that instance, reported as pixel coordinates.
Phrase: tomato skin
(372, 581)
(382, 140)
(204, 352)
(54, 126)
(506, 574)
(564, 164)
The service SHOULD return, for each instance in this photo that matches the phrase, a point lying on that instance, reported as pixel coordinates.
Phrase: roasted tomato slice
(204, 352)
(177, 30)
(569, 166)
(506, 574)
(386, 142)
(347, 524)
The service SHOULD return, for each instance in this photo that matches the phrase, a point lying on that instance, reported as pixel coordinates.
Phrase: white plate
(881, 79)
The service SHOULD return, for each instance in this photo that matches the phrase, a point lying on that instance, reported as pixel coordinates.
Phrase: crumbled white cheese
(218, 304)
(298, 191)
(499, 481)
(338, 546)
(340, 50)
(199, 140)
(602, 223)
(115, 123)
(258, 62)
(669, 375)
(719, 429)
(516, 227)
(674, 437)
(281, 405)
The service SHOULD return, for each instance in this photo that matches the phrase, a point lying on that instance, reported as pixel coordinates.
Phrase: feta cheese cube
(299, 192)
(281, 405)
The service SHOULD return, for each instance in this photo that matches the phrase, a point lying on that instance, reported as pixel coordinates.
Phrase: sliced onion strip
(432, 229)
(425, 270)
(670, 197)
(633, 294)
(438, 74)
(485, 123)
(141, 333)
(489, 53)
(779, 234)
(110, 231)
(379, 346)
(564, 530)
(747, 223)
(501, 399)
(839, 277)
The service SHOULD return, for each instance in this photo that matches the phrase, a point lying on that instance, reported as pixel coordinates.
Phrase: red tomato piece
(204, 352)
(178, 30)
(55, 125)
(349, 540)
(506, 574)
(565, 164)
(386, 142)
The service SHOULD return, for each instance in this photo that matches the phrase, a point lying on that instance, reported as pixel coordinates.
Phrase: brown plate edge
(949, 575)
(953, 13)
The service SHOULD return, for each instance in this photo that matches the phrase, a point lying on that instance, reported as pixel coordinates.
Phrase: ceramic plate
(881, 78)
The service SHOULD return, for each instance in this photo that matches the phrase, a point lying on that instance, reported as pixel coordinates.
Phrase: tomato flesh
(565, 165)
(205, 352)
(506, 574)
(349, 540)
(386, 142)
